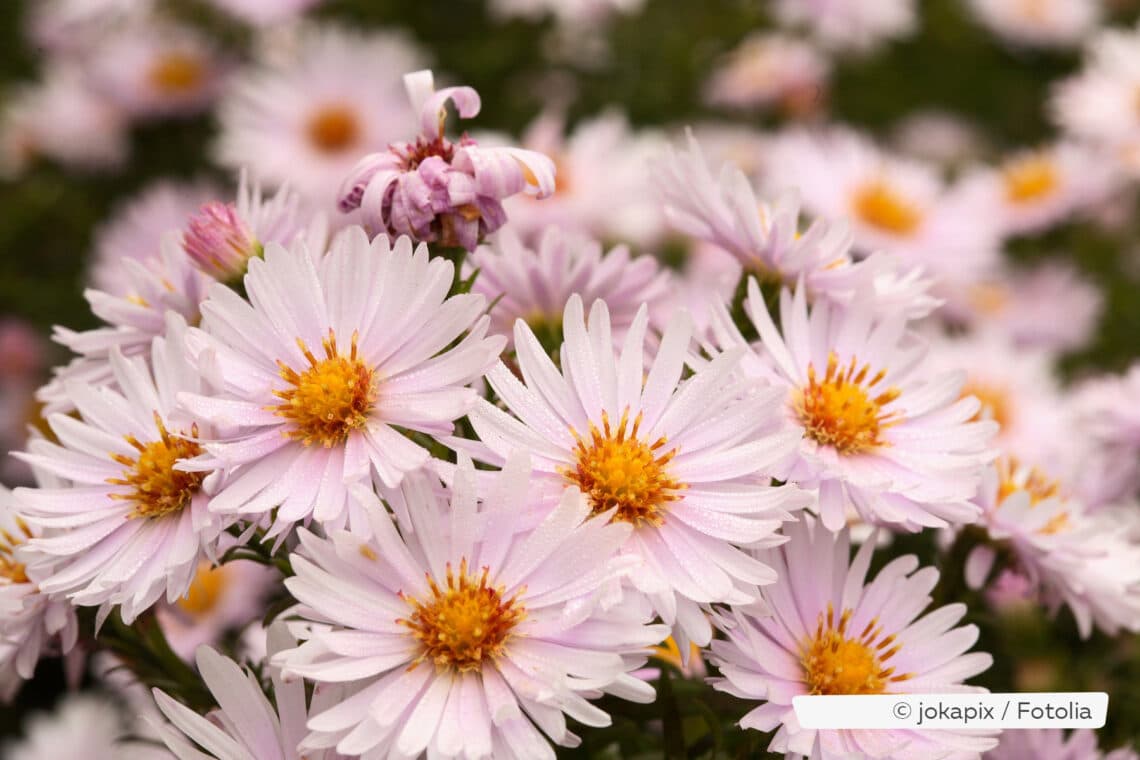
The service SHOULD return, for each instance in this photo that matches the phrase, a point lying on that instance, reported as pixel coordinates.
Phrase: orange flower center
(10, 570)
(330, 399)
(880, 205)
(617, 469)
(1030, 178)
(334, 128)
(205, 591)
(995, 401)
(839, 410)
(177, 73)
(836, 662)
(1014, 477)
(464, 624)
(157, 489)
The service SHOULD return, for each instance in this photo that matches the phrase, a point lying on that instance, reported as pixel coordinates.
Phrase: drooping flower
(305, 118)
(534, 285)
(825, 630)
(127, 526)
(1054, 744)
(436, 190)
(324, 369)
(876, 430)
(851, 24)
(1039, 23)
(686, 464)
(1086, 561)
(771, 69)
(246, 724)
(461, 634)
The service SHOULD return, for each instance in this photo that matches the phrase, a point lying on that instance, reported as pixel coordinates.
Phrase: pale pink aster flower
(88, 726)
(771, 69)
(876, 430)
(580, 13)
(1054, 744)
(436, 190)
(155, 69)
(1039, 23)
(601, 185)
(265, 12)
(897, 205)
(534, 284)
(61, 119)
(1087, 561)
(32, 623)
(325, 365)
(685, 463)
(828, 631)
(397, 614)
(222, 237)
(127, 526)
(1033, 190)
(221, 599)
(1098, 105)
(939, 137)
(853, 25)
(70, 28)
(767, 241)
(308, 117)
(1108, 409)
(246, 724)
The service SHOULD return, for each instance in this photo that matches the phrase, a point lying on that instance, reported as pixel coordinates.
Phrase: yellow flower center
(995, 401)
(836, 662)
(839, 410)
(157, 489)
(334, 128)
(617, 469)
(1030, 178)
(176, 73)
(879, 205)
(205, 590)
(464, 624)
(330, 399)
(1013, 477)
(11, 570)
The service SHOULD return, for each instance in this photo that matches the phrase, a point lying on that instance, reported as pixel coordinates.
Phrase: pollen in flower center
(880, 205)
(157, 489)
(839, 410)
(176, 73)
(464, 624)
(333, 128)
(1013, 477)
(615, 468)
(837, 662)
(330, 399)
(1029, 178)
(11, 570)
(205, 590)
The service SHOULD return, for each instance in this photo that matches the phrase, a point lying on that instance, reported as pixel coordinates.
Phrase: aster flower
(1105, 409)
(1040, 23)
(939, 137)
(127, 526)
(770, 245)
(265, 12)
(61, 119)
(465, 636)
(851, 24)
(829, 631)
(1054, 744)
(572, 12)
(304, 119)
(877, 432)
(154, 69)
(534, 285)
(323, 368)
(771, 69)
(684, 463)
(1088, 562)
(31, 623)
(436, 190)
(71, 28)
(82, 725)
(246, 724)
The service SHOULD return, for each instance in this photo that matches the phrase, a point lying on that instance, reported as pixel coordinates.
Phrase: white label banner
(1071, 709)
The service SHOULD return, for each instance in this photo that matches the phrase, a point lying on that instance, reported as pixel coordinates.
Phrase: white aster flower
(1054, 744)
(32, 623)
(851, 24)
(465, 636)
(246, 726)
(876, 430)
(771, 69)
(685, 463)
(88, 726)
(1087, 561)
(828, 631)
(127, 526)
(1039, 23)
(325, 366)
(767, 241)
(306, 119)
(534, 285)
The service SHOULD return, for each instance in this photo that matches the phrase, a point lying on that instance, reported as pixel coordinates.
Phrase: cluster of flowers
(487, 467)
